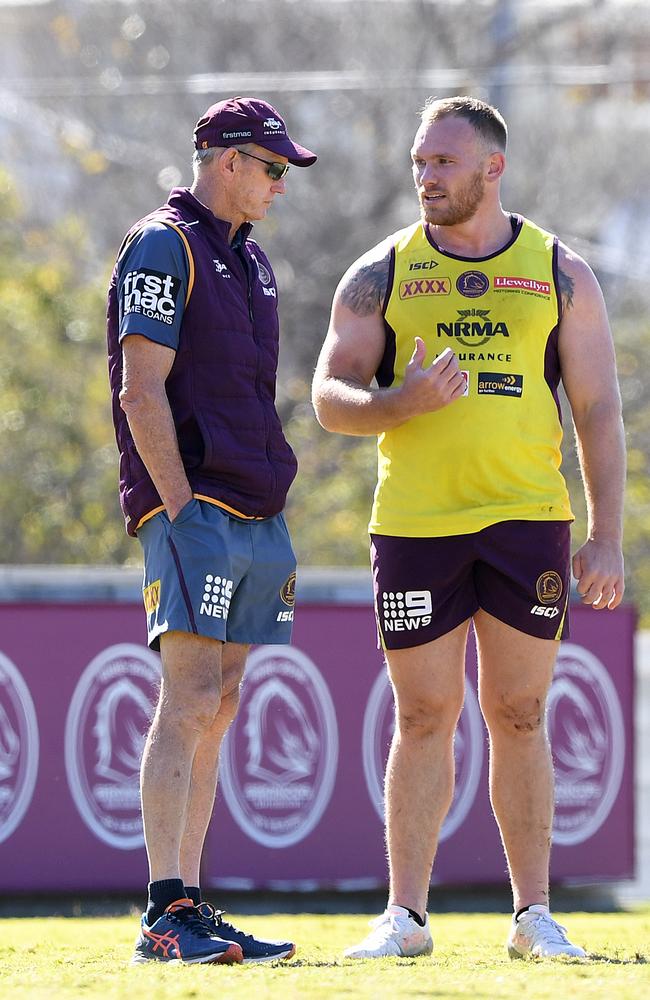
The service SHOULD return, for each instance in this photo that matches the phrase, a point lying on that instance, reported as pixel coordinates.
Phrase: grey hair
(202, 157)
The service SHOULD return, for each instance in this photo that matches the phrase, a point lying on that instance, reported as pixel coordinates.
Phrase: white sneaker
(536, 933)
(395, 932)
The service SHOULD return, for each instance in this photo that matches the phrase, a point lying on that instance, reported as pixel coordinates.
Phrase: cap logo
(273, 123)
(236, 135)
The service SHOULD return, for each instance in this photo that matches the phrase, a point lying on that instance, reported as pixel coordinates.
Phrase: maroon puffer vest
(221, 387)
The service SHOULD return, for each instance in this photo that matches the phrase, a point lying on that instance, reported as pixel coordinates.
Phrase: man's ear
(496, 166)
(227, 161)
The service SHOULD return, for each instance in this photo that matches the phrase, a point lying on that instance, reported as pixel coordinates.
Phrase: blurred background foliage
(97, 105)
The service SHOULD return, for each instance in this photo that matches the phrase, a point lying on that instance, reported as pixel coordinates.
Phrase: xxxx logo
(151, 597)
(424, 286)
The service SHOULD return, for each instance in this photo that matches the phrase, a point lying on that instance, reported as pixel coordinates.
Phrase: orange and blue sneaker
(182, 935)
(252, 949)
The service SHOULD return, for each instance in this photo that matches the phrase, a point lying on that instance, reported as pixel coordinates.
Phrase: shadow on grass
(350, 963)
(638, 959)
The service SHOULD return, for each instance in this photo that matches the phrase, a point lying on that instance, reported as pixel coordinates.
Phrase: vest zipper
(239, 250)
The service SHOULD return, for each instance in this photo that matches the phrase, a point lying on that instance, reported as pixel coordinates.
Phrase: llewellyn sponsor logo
(522, 285)
(18, 748)
(105, 729)
(378, 729)
(278, 761)
(585, 724)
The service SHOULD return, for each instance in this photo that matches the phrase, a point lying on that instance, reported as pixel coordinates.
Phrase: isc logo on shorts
(151, 294)
(539, 609)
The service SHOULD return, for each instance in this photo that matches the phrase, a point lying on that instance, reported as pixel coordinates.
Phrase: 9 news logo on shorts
(106, 726)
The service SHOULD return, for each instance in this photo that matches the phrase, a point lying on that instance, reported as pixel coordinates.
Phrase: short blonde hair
(487, 121)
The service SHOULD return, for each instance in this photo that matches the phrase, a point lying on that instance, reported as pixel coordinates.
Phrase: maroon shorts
(517, 571)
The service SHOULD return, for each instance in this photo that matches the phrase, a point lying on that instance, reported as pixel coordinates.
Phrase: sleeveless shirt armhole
(389, 282)
(556, 277)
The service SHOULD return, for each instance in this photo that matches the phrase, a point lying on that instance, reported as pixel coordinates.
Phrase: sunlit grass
(54, 958)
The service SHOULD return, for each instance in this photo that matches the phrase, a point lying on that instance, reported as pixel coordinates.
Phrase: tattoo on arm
(566, 289)
(364, 289)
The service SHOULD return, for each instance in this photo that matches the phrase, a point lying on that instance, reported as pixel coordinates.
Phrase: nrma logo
(473, 327)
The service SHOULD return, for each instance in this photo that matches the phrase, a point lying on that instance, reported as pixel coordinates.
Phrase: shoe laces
(208, 912)
(383, 927)
(553, 932)
(190, 918)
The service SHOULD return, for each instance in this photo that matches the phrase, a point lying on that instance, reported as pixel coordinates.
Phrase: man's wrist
(174, 506)
(606, 537)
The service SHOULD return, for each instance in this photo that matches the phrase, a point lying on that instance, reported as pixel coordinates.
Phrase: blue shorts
(211, 574)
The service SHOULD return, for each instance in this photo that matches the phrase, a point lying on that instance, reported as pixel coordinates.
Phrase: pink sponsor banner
(302, 767)
(300, 802)
(91, 684)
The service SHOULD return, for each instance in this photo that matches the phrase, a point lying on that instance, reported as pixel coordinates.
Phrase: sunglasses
(276, 171)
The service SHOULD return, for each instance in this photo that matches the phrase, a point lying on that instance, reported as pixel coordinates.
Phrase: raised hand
(427, 389)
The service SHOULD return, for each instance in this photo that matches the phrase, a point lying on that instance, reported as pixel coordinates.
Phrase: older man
(468, 319)
(205, 469)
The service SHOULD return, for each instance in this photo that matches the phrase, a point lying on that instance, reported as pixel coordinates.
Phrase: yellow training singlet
(494, 454)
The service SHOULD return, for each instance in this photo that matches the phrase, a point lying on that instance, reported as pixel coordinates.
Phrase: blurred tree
(57, 464)
(329, 504)
(111, 91)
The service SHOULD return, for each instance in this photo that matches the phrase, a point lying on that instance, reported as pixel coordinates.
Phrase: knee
(420, 718)
(229, 704)
(514, 715)
(195, 708)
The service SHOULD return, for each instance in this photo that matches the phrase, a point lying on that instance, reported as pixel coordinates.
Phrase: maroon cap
(246, 119)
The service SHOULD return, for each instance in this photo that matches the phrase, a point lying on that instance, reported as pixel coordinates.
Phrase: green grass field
(53, 958)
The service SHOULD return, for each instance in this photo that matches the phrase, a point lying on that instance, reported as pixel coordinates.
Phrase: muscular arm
(146, 365)
(343, 398)
(589, 375)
